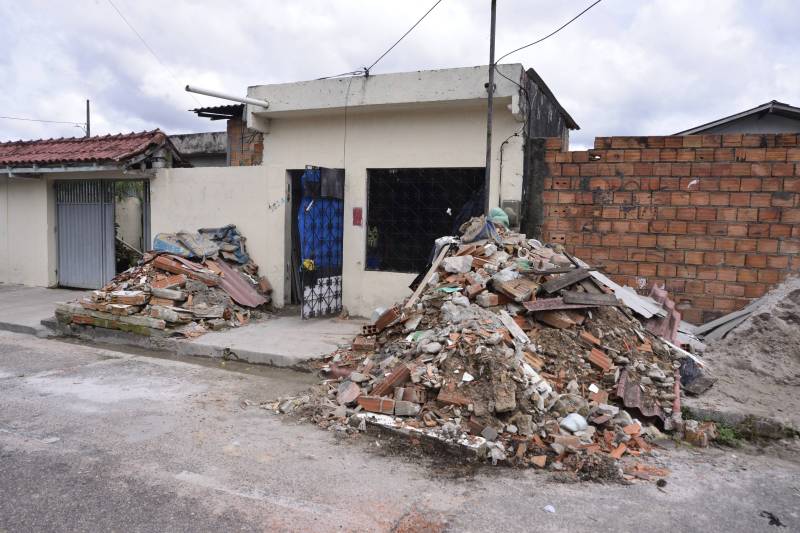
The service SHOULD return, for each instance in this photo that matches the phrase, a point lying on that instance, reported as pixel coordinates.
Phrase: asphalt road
(98, 440)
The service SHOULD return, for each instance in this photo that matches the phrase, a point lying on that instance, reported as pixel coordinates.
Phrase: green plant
(728, 436)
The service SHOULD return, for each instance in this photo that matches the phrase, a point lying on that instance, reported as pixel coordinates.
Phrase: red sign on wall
(357, 214)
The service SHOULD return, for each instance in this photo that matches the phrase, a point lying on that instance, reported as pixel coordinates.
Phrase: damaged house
(358, 176)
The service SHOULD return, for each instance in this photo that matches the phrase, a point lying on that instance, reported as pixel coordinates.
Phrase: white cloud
(645, 67)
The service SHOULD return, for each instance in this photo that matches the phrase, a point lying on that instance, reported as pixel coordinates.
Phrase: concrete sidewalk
(279, 340)
(23, 308)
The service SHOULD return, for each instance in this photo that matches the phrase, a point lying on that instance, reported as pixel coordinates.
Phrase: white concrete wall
(128, 216)
(447, 136)
(193, 198)
(27, 222)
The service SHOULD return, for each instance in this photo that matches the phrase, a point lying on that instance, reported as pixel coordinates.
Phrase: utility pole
(88, 120)
(490, 100)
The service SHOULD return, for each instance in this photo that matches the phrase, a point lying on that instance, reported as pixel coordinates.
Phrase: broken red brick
(375, 404)
(399, 375)
(600, 360)
(539, 460)
(363, 344)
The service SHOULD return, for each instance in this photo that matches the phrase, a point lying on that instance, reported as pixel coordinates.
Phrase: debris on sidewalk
(191, 283)
(513, 348)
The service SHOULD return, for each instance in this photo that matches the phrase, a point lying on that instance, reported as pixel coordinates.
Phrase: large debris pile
(513, 349)
(207, 281)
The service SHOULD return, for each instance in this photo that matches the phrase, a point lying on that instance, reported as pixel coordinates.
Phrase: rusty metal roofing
(237, 287)
(101, 149)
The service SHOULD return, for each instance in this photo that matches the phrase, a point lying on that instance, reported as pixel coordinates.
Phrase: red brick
(750, 184)
(754, 290)
(791, 184)
(733, 139)
(696, 228)
(704, 169)
(757, 230)
(685, 242)
(790, 216)
(740, 199)
(782, 169)
(724, 245)
(746, 245)
(768, 276)
(777, 261)
(714, 288)
(727, 274)
(706, 273)
(699, 198)
(647, 241)
(775, 154)
(734, 259)
(769, 214)
(706, 213)
(647, 269)
(680, 198)
(729, 184)
(694, 258)
(674, 256)
(747, 214)
(756, 261)
(760, 169)
(760, 199)
(737, 230)
(746, 275)
(783, 199)
(666, 270)
(789, 247)
(666, 241)
(719, 198)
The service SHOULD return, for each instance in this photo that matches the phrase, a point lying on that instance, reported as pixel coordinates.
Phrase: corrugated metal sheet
(237, 287)
(85, 218)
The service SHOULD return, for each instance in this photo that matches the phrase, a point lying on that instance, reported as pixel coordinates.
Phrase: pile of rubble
(515, 350)
(206, 281)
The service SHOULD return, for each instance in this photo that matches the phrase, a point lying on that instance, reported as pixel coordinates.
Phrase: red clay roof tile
(108, 148)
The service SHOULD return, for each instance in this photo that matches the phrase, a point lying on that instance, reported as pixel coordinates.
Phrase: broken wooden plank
(552, 304)
(424, 282)
(572, 297)
(565, 280)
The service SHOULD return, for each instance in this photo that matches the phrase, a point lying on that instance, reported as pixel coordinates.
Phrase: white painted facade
(410, 120)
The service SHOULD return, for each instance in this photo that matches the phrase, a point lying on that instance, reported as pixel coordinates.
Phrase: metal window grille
(408, 208)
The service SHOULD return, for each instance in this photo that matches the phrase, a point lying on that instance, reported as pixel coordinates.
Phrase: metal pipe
(215, 94)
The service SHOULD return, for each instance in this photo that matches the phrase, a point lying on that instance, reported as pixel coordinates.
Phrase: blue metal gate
(320, 225)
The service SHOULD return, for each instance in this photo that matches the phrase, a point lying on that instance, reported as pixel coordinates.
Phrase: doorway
(317, 234)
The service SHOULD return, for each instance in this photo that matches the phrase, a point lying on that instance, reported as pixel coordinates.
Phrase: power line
(570, 21)
(41, 120)
(149, 49)
(403, 37)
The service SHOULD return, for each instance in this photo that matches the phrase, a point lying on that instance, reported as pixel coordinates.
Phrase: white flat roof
(442, 86)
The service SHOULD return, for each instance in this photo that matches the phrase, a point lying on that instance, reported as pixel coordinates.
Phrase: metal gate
(320, 221)
(85, 218)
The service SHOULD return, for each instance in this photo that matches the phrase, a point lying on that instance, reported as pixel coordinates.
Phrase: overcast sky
(626, 67)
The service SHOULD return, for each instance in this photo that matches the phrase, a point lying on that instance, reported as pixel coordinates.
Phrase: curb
(749, 425)
(91, 334)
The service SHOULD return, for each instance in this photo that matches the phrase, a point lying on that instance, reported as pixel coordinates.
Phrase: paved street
(98, 440)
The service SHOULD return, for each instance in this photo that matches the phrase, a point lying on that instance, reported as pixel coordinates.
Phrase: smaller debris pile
(206, 281)
(511, 349)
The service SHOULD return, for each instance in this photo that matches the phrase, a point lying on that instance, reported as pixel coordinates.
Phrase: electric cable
(367, 69)
(149, 48)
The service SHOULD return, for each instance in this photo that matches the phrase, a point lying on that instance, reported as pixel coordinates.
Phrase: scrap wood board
(565, 280)
(592, 299)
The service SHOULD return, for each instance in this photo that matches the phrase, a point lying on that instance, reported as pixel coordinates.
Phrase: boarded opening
(408, 208)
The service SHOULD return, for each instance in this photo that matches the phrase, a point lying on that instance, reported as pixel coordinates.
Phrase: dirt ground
(758, 363)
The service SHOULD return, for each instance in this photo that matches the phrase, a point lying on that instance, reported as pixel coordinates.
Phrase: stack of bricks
(245, 146)
(715, 218)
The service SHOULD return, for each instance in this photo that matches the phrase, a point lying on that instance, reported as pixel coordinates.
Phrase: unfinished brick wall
(245, 146)
(714, 217)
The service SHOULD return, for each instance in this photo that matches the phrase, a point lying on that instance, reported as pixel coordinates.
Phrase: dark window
(409, 208)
